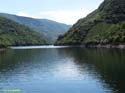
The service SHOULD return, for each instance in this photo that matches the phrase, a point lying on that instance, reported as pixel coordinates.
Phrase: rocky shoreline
(121, 46)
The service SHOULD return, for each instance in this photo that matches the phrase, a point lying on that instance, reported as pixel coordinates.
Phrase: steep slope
(106, 25)
(12, 33)
(50, 29)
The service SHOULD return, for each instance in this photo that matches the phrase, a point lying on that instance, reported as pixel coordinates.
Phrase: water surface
(62, 70)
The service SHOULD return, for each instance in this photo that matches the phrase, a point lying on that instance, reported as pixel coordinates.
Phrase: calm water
(62, 70)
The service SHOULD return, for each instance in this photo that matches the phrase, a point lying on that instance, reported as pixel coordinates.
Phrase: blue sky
(64, 11)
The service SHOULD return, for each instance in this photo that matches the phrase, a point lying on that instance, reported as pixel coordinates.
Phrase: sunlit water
(52, 69)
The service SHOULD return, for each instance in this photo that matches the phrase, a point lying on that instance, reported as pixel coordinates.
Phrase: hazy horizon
(63, 11)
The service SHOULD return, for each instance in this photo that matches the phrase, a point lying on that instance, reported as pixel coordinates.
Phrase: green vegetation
(14, 34)
(106, 25)
(50, 29)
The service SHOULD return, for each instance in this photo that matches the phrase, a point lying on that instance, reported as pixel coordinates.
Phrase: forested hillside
(14, 34)
(50, 29)
(106, 25)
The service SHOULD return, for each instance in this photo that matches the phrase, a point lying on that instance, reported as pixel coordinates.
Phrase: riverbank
(121, 46)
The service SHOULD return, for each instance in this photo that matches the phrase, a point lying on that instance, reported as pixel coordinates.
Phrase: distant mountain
(15, 34)
(50, 29)
(106, 25)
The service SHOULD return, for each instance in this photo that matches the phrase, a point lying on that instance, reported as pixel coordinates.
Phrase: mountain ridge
(50, 29)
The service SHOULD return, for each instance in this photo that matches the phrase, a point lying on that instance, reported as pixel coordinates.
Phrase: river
(42, 69)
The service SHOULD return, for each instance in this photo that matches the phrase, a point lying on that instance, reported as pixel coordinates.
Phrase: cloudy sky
(64, 11)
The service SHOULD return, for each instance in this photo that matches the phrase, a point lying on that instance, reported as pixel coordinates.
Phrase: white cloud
(26, 14)
(68, 17)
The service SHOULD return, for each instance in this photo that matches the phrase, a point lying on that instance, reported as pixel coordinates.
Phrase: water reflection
(63, 70)
(68, 70)
(107, 65)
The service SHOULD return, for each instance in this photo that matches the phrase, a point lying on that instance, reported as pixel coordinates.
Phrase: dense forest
(106, 25)
(15, 34)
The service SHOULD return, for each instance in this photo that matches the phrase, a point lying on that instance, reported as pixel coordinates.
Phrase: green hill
(50, 29)
(14, 34)
(106, 25)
